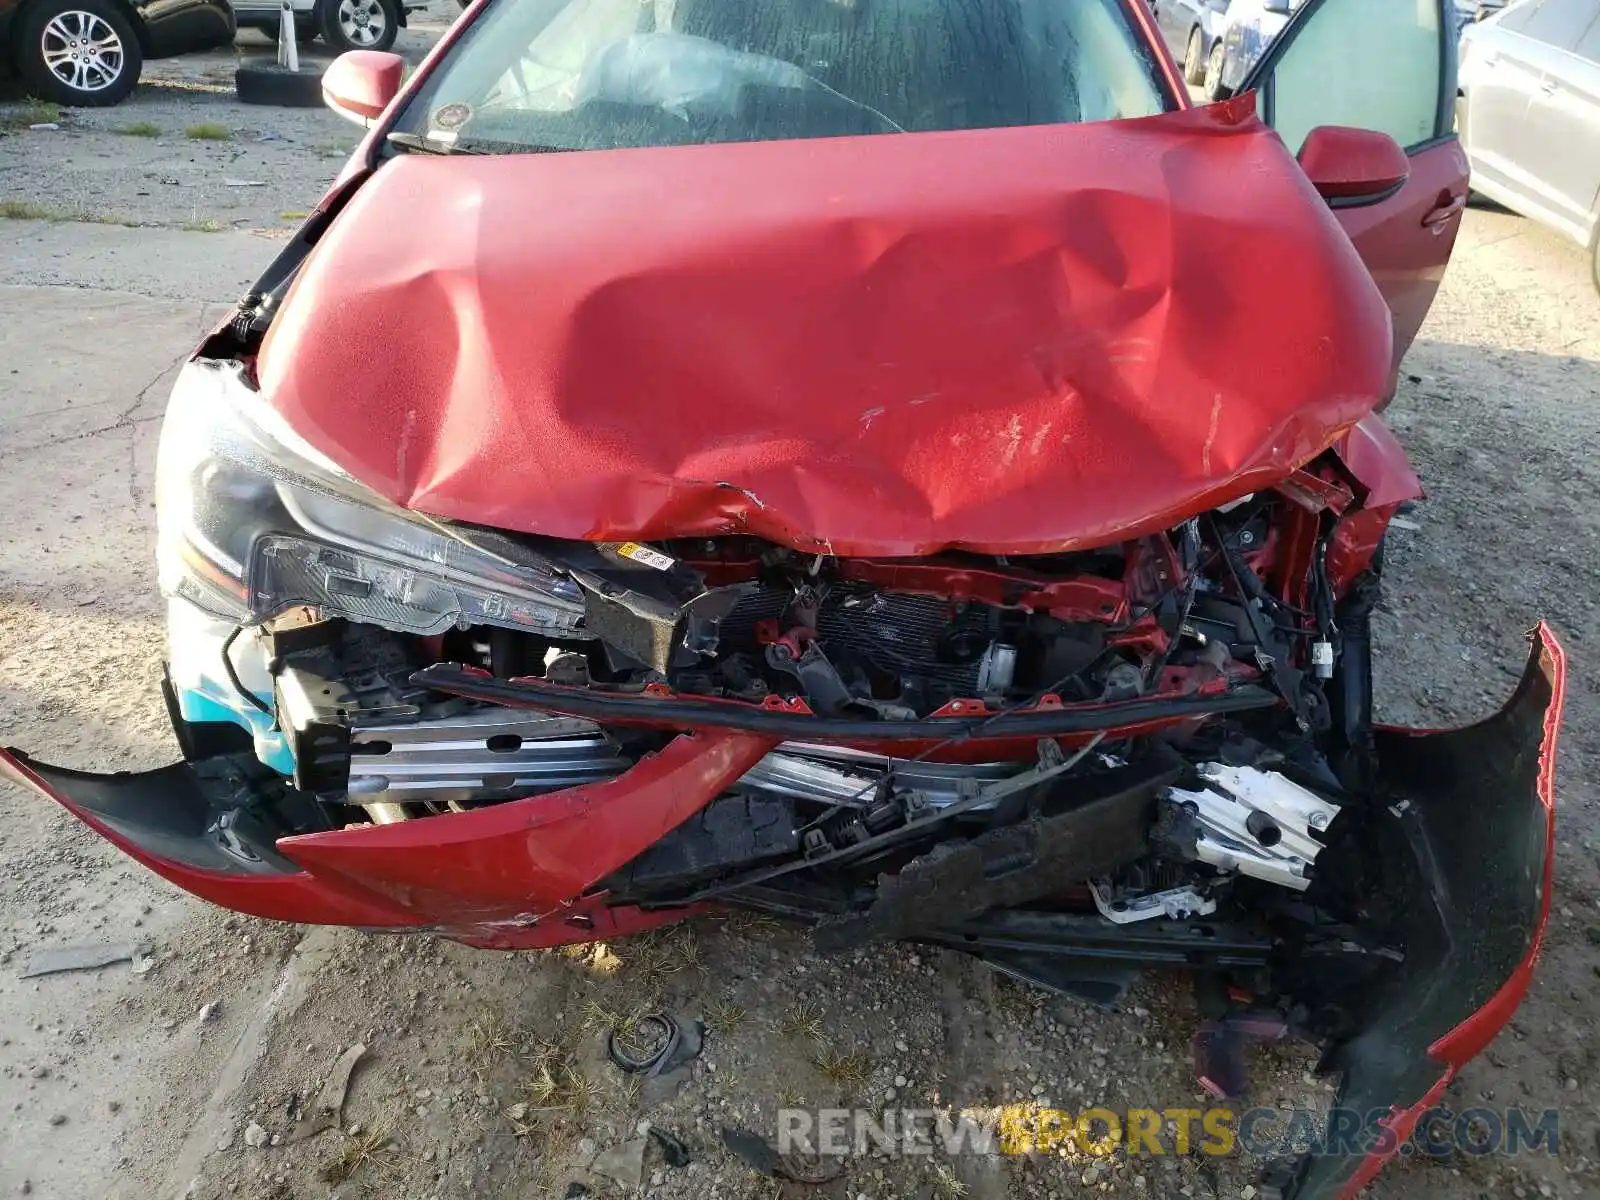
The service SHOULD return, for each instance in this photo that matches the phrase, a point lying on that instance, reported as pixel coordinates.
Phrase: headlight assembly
(252, 520)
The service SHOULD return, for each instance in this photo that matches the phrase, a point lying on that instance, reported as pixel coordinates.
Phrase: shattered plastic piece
(324, 1112)
(757, 1154)
(673, 1150)
(624, 1163)
(86, 957)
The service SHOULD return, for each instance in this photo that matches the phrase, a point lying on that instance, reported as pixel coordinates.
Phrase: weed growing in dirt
(31, 112)
(209, 225)
(140, 129)
(488, 1043)
(356, 1154)
(291, 215)
(849, 1071)
(803, 1020)
(208, 131)
(946, 1181)
(29, 210)
(723, 1014)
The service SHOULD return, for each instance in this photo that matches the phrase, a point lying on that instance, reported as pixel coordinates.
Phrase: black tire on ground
(382, 16)
(1194, 59)
(58, 28)
(263, 81)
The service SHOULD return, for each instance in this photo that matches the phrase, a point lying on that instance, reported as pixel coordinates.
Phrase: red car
(896, 465)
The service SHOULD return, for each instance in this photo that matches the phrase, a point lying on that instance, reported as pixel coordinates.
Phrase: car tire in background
(1216, 63)
(359, 24)
(78, 52)
(1194, 59)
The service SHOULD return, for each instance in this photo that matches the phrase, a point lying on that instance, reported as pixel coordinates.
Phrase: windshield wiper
(427, 145)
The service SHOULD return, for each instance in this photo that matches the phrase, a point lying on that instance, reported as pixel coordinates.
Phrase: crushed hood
(1011, 341)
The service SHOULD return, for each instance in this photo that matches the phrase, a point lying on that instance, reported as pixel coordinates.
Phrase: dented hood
(1011, 341)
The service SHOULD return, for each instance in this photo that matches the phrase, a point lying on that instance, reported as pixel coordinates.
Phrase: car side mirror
(360, 83)
(1353, 165)
(1278, 8)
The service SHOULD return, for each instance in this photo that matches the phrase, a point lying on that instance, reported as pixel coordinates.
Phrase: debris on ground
(255, 1135)
(623, 1163)
(673, 1150)
(758, 1154)
(325, 1111)
(84, 957)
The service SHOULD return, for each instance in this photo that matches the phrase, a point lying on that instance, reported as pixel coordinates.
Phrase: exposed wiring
(250, 697)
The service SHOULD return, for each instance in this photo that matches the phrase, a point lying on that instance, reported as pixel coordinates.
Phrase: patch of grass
(849, 1071)
(356, 1154)
(557, 1083)
(723, 1014)
(140, 129)
(488, 1043)
(292, 215)
(209, 225)
(803, 1020)
(947, 1182)
(30, 112)
(208, 131)
(32, 210)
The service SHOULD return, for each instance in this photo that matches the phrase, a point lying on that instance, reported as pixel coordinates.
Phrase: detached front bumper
(1475, 809)
(516, 875)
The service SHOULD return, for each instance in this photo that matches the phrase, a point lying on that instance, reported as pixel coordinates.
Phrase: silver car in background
(1529, 113)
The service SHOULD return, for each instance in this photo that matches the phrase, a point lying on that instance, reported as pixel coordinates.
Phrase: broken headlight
(253, 520)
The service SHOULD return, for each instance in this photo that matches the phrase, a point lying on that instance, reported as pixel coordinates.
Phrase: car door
(1390, 66)
(1561, 139)
(1498, 83)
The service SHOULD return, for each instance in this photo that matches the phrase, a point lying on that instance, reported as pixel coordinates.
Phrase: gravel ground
(483, 1073)
(182, 151)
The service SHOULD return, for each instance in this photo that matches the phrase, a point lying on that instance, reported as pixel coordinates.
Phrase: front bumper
(1474, 806)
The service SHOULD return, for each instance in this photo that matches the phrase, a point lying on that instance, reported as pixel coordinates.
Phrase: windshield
(607, 74)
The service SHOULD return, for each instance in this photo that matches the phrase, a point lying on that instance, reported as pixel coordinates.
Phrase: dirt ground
(483, 1074)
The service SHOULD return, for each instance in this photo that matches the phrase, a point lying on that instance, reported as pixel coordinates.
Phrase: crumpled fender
(1478, 809)
(1012, 341)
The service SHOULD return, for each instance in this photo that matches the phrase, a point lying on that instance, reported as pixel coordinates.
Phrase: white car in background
(342, 24)
(1528, 114)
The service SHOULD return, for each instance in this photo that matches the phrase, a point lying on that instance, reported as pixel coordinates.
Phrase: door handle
(1441, 216)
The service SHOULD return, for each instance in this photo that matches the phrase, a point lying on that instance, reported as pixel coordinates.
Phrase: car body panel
(1404, 238)
(265, 13)
(173, 27)
(1530, 90)
(1008, 362)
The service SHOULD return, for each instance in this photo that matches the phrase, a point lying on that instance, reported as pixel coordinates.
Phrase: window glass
(1518, 15)
(1369, 64)
(1559, 23)
(601, 74)
(1589, 43)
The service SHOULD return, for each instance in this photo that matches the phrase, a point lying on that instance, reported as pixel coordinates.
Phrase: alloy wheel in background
(360, 24)
(78, 52)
